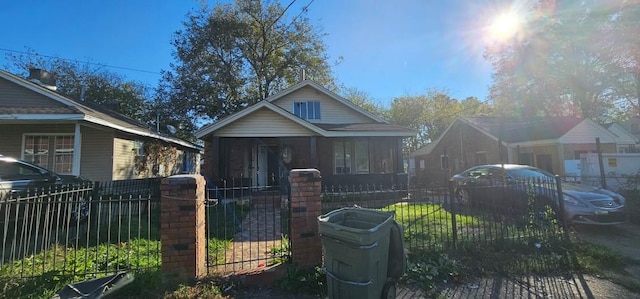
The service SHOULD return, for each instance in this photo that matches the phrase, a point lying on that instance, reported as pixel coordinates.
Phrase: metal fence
(440, 219)
(247, 227)
(114, 226)
(85, 230)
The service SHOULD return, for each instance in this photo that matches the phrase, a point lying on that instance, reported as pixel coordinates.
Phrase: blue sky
(390, 48)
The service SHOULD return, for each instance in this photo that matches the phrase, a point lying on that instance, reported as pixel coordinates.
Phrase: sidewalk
(576, 286)
(573, 286)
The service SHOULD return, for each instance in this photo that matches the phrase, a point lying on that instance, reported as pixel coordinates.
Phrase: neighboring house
(304, 126)
(626, 141)
(633, 126)
(552, 143)
(67, 136)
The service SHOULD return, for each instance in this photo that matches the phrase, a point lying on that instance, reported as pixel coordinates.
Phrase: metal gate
(247, 227)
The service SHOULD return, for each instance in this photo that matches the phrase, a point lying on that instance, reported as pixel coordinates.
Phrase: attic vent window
(307, 110)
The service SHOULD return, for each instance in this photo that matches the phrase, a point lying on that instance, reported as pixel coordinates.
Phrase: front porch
(265, 162)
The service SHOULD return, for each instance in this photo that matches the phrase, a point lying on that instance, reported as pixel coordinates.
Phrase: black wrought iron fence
(446, 218)
(124, 188)
(79, 230)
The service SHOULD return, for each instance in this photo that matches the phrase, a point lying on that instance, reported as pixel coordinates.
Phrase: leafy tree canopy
(234, 55)
(363, 100)
(570, 58)
(95, 85)
(430, 114)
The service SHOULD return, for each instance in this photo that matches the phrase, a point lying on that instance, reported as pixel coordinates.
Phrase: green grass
(520, 251)
(595, 258)
(131, 244)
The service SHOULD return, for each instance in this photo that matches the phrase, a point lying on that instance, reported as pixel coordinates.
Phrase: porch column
(561, 158)
(399, 156)
(77, 150)
(213, 170)
(313, 151)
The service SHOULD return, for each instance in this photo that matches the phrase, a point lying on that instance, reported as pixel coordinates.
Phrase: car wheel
(462, 194)
(389, 290)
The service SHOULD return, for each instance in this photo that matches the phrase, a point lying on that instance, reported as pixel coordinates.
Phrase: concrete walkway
(261, 231)
(531, 287)
(573, 286)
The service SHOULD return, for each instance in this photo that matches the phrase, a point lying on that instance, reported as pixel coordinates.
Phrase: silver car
(511, 187)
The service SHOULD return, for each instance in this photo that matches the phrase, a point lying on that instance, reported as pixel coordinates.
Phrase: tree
(566, 62)
(93, 85)
(363, 100)
(431, 114)
(620, 43)
(234, 55)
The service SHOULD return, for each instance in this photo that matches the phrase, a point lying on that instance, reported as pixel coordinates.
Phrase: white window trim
(293, 110)
(75, 167)
(138, 147)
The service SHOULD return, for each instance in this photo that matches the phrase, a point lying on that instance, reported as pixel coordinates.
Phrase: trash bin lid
(356, 225)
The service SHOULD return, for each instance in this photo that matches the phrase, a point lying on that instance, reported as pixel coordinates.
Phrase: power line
(303, 10)
(77, 61)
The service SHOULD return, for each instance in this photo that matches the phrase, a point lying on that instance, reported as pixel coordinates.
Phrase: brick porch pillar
(182, 229)
(306, 206)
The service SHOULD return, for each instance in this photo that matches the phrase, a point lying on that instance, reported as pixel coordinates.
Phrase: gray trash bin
(355, 243)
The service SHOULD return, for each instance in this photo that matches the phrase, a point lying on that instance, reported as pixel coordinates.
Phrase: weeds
(305, 281)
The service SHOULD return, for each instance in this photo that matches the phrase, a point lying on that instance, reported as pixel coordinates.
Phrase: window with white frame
(138, 148)
(53, 152)
(351, 156)
(307, 110)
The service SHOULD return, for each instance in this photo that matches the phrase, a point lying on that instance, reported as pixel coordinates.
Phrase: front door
(268, 171)
(263, 165)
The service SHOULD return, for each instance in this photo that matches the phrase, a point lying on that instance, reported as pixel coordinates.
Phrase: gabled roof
(377, 126)
(210, 128)
(326, 92)
(514, 130)
(518, 130)
(623, 135)
(72, 110)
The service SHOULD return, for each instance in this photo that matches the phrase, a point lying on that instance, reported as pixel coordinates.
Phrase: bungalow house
(303, 126)
(626, 141)
(553, 143)
(68, 136)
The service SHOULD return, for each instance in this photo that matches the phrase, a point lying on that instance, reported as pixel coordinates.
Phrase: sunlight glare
(505, 26)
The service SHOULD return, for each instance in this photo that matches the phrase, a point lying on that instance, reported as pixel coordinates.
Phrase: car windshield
(529, 173)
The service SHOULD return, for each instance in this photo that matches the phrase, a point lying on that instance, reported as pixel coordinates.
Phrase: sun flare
(505, 26)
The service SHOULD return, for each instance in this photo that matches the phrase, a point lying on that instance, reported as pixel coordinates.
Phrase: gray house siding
(11, 135)
(97, 154)
(332, 111)
(13, 96)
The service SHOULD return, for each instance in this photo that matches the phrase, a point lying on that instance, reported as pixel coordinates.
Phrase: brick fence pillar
(182, 228)
(306, 206)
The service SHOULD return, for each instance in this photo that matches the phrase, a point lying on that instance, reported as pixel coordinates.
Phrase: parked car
(514, 187)
(21, 180)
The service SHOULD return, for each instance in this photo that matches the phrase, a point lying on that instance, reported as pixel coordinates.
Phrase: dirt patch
(623, 239)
